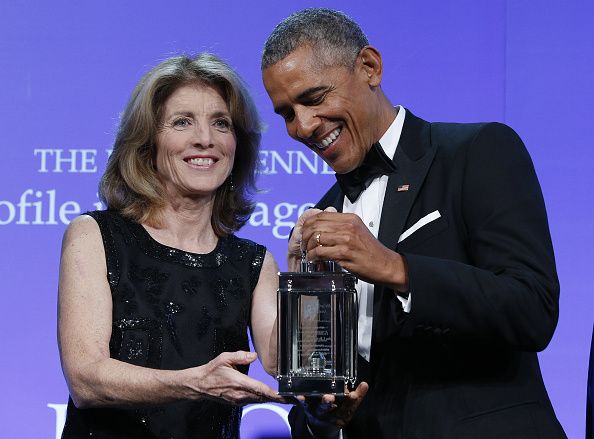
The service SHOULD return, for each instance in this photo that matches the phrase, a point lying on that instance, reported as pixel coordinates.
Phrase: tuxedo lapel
(334, 197)
(413, 158)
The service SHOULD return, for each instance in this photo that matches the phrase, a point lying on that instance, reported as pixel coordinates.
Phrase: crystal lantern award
(317, 330)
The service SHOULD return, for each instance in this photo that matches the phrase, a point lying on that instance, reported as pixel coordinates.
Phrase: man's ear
(369, 61)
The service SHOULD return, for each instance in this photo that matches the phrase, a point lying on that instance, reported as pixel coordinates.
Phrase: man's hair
(131, 184)
(334, 36)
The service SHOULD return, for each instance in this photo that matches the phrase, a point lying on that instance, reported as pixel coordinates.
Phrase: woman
(156, 293)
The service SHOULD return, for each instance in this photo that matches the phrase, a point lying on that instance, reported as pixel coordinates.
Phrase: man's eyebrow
(304, 95)
(310, 91)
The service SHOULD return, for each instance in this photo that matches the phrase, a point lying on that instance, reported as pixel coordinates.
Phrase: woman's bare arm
(84, 330)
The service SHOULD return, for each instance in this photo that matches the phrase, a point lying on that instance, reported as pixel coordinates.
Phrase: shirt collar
(391, 137)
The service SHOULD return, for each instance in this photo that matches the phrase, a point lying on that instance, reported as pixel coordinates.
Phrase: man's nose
(306, 123)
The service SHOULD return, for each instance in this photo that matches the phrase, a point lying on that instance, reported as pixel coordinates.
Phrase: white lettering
(312, 165)
(284, 215)
(282, 211)
(23, 204)
(11, 213)
(43, 164)
(51, 216)
(291, 162)
(87, 160)
(327, 170)
(36, 207)
(68, 208)
(276, 158)
(260, 216)
(60, 410)
(71, 160)
(262, 167)
(60, 160)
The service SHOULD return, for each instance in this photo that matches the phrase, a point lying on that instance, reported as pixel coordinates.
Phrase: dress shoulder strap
(109, 222)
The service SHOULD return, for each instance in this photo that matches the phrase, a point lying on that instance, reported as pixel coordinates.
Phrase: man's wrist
(397, 268)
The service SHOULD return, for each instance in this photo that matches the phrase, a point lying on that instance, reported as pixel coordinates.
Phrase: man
(450, 238)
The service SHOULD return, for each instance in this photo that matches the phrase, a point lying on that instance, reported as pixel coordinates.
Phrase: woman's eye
(222, 124)
(181, 123)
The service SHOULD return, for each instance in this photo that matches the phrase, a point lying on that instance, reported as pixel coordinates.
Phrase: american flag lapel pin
(403, 188)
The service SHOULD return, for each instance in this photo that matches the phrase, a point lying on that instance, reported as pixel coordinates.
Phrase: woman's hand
(219, 379)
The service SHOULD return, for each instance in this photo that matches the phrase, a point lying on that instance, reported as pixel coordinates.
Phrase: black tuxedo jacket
(484, 290)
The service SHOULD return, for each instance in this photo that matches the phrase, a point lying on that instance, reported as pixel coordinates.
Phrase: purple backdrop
(68, 68)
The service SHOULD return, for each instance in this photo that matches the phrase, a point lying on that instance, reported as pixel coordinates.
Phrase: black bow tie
(376, 163)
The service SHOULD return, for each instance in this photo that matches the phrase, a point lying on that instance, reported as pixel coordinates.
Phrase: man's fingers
(295, 243)
(329, 221)
(302, 218)
(359, 392)
(347, 406)
(305, 215)
(328, 399)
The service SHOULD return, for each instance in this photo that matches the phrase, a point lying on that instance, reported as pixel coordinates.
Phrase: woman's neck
(186, 225)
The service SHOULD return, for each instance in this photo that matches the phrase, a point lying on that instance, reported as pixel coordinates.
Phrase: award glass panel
(317, 331)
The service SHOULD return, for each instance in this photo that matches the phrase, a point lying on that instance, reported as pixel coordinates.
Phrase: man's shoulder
(464, 131)
(453, 138)
(419, 134)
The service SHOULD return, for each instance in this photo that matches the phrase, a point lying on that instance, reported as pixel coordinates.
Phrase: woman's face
(196, 142)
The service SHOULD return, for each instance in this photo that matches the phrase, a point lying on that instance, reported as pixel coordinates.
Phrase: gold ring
(318, 238)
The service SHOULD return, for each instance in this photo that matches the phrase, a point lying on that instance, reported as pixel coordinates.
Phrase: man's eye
(317, 100)
(181, 123)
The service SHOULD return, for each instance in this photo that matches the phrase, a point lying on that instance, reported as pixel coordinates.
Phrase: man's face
(331, 110)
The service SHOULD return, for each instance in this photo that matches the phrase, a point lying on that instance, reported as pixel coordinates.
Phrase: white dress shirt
(369, 208)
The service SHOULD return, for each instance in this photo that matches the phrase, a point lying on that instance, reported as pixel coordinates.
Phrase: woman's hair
(131, 184)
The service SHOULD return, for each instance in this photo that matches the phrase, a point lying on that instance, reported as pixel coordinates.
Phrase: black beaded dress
(171, 310)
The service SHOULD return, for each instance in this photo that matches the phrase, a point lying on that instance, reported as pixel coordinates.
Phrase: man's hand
(328, 414)
(343, 238)
(296, 245)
